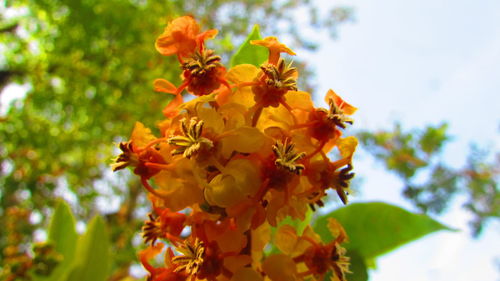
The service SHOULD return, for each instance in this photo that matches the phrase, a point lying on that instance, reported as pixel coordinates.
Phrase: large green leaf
(377, 228)
(92, 261)
(248, 53)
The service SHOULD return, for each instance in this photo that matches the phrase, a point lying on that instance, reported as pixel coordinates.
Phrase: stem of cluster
(149, 188)
(256, 116)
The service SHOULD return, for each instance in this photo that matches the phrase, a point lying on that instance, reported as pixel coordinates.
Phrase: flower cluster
(247, 151)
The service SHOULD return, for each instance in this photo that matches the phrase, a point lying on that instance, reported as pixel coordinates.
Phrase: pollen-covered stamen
(286, 157)
(280, 77)
(126, 158)
(340, 262)
(191, 142)
(337, 116)
(152, 230)
(202, 63)
(192, 258)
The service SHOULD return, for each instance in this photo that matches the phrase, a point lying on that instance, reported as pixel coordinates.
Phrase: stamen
(281, 76)
(336, 115)
(202, 63)
(286, 157)
(192, 141)
(192, 258)
(126, 158)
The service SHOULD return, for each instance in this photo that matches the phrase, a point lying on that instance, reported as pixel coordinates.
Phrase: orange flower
(137, 154)
(160, 273)
(325, 123)
(275, 48)
(337, 100)
(182, 37)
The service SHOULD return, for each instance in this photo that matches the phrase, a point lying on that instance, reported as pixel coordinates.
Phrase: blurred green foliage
(88, 67)
(66, 256)
(429, 182)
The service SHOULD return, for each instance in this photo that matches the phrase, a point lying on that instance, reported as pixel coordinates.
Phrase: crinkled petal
(273, 45)
(346, 108)
(275, 48)
(179, 37)
(347, 146)
(141, 135)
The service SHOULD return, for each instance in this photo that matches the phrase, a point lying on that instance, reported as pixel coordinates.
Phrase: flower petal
(347, 146)
(164, 86)
(246, 274)
(273, 45)
(346, 108)
(141, 135)
(280, 268)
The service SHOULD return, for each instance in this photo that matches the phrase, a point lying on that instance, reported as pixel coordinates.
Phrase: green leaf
(248, 53)
(92, 260)
(377, 228)
(358, 267)
(62, 234)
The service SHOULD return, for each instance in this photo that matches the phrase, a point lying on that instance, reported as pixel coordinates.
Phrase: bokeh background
(425, 75)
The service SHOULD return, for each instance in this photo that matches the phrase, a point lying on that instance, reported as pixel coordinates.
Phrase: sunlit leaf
(377, 228)
(248, 53)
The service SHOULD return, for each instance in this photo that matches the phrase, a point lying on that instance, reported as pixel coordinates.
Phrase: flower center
(202, 63)
(192, 259)
(191, 142)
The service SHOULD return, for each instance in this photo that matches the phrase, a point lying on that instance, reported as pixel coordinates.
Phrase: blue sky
(422, 62)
